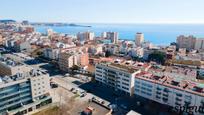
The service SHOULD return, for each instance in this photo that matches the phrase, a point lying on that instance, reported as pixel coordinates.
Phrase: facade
(1, 40)
(119, 77)
(171, 91)
(24, 92)
(187, 42)
(51, 53)
(22, 46)
(83, 59)
(199, 44)
(10, 67)
(18, 45)
(113, 36)
(136, 52)
(139, 39)
(104, 35)
(85, 36)
(67, 60)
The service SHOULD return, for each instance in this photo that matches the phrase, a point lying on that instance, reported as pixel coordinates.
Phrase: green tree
(107, 53)
(158, 57)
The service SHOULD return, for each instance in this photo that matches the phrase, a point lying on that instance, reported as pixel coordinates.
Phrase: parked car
(123, 106)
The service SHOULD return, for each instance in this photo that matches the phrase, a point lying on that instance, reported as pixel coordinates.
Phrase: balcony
(159, 93)
(159, 89)
(177, 99)
(178, 94)
(165, 99)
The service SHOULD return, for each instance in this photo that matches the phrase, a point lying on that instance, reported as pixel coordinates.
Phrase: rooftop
(20, 76)
(9, 62)
(180, 83)
(121, 67)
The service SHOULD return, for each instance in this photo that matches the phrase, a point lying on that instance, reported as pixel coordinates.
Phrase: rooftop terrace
(179, 83)
(20, 76)
(9, 62)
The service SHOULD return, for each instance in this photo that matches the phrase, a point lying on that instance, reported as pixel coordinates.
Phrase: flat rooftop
(179, 83)
(10, 62)
(20, 76)
(119, 66)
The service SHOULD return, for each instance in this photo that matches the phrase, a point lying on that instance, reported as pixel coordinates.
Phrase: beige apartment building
(187, 42)
(11, 67)
(139, 39)
(68, 59)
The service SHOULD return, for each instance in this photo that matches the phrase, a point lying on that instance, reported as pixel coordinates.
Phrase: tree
(158, 57)
(107, 53)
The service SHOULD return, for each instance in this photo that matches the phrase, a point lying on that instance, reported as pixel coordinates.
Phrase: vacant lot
(49, 111)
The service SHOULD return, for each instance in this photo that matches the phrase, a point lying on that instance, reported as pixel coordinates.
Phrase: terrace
(179, 83)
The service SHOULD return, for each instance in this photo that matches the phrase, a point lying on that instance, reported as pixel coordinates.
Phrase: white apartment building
(170, 91)
(117, 76)
(51, 53)
(137, 52)
(24, 92)
(139, 39)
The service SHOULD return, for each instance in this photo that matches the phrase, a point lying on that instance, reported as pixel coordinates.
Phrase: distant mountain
(79, 25)
(58, 24)
(7, 21)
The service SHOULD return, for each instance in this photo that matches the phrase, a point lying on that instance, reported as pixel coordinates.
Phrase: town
(64, 74)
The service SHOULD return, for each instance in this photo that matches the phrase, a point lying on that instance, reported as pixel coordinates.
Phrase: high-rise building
(104, 35)
(139, 39)
(85, 36)
(113, 36)
(50, 32)
(199, 44)
(24, 92)
(187, 42)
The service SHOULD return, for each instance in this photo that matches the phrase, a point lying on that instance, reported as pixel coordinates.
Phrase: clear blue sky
(104, 11)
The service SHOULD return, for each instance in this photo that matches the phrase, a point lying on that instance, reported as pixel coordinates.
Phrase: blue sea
(159, 34)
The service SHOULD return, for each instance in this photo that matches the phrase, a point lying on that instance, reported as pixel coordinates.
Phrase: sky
(104, 11)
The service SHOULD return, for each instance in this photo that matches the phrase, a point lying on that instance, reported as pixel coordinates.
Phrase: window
(125, 88)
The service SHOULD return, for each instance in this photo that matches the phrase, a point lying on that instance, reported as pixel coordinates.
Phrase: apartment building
(68, 59)
(136, 52)
(171, 91)
(24, 92)
(83, 59)
(11, 67)
(51, 53)
(187, 42)
(85, 36)
(199, 44)
(118, 76)
(113, 36)
(139, 39)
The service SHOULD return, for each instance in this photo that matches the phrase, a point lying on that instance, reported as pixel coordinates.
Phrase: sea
(158, 34)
